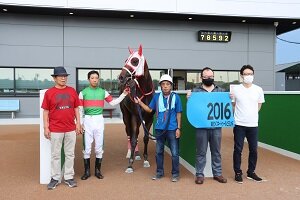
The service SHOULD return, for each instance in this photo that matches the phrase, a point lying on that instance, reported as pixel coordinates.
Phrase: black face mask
(208, 82)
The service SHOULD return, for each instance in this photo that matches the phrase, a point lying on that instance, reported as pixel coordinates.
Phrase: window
(225, 78)
(155, 75)
(7, 81)
(32, 80)
(24, 81)
(109, 79)
(292, 76)
(193, 79)
(222, 79)
(82, 80)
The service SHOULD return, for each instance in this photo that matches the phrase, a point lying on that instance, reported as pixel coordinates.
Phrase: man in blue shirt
(168, 108)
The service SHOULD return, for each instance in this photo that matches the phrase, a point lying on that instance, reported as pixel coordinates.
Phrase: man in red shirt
(60, 106)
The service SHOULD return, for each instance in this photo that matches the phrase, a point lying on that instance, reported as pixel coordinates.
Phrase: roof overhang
(284, 24)
(289, 68)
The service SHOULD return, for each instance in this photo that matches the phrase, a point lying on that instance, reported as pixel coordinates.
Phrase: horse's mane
(146, 71)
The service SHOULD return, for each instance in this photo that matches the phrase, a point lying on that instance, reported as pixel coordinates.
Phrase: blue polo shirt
(162, 117)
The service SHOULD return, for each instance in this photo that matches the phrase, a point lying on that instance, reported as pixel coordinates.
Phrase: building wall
(47, 41)
(292, 85)
(280, 81)
(31, 40)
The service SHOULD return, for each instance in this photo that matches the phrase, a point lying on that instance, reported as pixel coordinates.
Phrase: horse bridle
(135, 79)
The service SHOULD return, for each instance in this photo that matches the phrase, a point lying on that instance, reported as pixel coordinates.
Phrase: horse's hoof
(146, 163)
(138, 158)
(128, 154)
(152, 137)
(129, 170)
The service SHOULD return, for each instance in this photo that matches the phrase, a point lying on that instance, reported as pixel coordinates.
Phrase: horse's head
(134, 67)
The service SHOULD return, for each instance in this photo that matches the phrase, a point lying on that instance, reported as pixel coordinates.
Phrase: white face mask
(248, 79)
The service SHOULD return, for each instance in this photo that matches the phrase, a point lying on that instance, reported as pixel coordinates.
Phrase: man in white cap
(168, 108)
(60, 106)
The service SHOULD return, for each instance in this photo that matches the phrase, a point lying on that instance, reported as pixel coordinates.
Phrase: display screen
(214, 36)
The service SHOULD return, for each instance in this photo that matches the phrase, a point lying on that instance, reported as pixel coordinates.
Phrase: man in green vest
(91, 108)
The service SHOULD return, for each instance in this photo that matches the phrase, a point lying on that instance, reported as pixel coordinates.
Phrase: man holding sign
(211, 135)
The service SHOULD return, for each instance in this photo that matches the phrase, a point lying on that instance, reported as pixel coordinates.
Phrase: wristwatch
(178, 128)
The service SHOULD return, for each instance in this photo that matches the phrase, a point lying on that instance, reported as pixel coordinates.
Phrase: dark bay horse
(135, 76)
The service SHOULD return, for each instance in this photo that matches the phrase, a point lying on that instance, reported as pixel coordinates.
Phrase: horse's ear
(130, 50)
(140, 50)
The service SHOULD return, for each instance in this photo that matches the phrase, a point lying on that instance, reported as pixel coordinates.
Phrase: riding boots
(98, 168)
(87, 172)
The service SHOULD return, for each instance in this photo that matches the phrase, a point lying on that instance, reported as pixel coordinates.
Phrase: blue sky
(287, 52)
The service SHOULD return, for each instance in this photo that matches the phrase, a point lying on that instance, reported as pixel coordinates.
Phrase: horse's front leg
(136, 151)
(133, 142)
(148, 124)
(146, 141)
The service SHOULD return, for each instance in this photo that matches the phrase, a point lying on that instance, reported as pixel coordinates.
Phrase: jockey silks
(92, 100)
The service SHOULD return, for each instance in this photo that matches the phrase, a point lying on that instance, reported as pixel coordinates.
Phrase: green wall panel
(279, 123)
(187, 140)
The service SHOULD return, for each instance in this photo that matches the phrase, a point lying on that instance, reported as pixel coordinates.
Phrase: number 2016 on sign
(219, 114)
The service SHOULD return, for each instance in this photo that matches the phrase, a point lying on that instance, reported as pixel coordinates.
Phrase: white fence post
(45, 149)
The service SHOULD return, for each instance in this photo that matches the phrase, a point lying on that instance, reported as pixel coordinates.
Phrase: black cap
(60, 71)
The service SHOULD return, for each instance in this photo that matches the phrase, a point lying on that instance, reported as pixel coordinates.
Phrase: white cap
(166, 77)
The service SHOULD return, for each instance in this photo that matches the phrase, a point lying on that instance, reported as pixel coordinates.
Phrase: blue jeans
(251, 133)
(213, 137)
(173, 142)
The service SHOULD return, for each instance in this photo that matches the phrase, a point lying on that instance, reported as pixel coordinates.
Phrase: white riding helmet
(166, 77)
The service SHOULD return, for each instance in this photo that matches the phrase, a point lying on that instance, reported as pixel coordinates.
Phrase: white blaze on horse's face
(135, 62)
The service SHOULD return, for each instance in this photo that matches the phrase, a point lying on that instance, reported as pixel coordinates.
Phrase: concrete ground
(19, 172)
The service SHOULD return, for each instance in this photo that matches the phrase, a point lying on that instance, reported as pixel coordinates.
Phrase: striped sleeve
(80, 99)
(108, 97)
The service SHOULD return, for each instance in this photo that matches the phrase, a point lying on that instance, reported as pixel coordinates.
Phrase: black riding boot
(87, 172)
(98, 168)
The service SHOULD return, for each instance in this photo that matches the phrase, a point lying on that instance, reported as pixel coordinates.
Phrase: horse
(135, 76)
